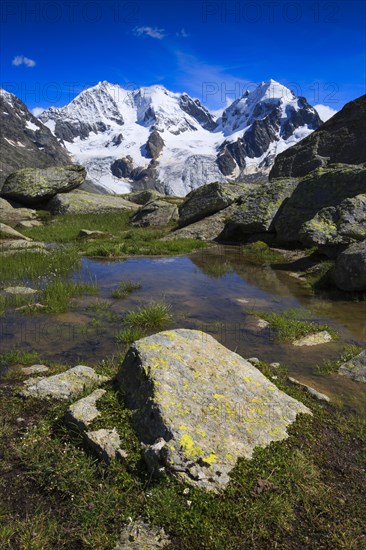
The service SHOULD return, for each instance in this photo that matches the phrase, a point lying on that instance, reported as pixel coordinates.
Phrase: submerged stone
(315, 339)
(355, 368)
(198, 407)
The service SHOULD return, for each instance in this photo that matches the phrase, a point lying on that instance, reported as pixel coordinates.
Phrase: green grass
(152, 316)
(260, 253)
(19, 357)
(58, 294)
(330, 366)
(289, 325)
(125, 288)
(29, 266)
(124, 240)
(130, 335)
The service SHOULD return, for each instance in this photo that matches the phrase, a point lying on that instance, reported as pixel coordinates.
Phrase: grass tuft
(292, 324)
(152, 316)
(130, 335)
(58, 294)
(260, 253)
(124, 289)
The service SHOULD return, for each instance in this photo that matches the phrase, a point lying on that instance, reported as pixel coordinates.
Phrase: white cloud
(22, 60)
(153, 32)
(325, 112)
(36, 111)
(183, 33)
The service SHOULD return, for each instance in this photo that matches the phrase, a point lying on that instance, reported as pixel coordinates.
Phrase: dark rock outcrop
(341, 139)
(122, 168)
(24, 140)
(195, 109)
(154, 145)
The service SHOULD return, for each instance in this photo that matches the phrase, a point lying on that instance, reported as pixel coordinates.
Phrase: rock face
(155, 213)
(258, 208)
(34, 186)
(207, 200)
(122, 168)
(198, 406)
(349, 271)
(81, 202)
(334, 228)
(355, 368)
(62, 386)
(24, 140)
(341, 139)
(320, 189)
(13, 216)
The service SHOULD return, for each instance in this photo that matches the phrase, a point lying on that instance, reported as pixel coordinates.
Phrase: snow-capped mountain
(151, 137)
(24, 140)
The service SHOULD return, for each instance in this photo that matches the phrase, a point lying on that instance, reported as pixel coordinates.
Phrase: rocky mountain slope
(24, 141)
(153, 138)
(340, 139)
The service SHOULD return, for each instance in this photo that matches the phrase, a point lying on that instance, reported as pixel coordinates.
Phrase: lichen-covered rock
(82, 413)
(257, 209)
(33, 186)
(208, 229)
(198, 406)
(106, 444)
(64, 385)
(7, 232)
(82, 202)
(139, 535)
(349, 271)
(334, 228)
(355, 368)
(10, 246)
(13, 216)
(320, 189)
(90, 234)
(35, 369)
(155, 213)
(207, 200)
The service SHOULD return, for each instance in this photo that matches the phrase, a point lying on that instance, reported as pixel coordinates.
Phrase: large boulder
(155, 213)
(197, 406)
(257, 209)
(349, 271)
(341, 139)
(320, 189)
(32, 186)
(81, 202)
(143, 197)
(208, 229)
(336, 227)
(207, 200)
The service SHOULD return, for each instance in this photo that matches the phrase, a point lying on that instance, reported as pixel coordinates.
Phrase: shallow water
(210, 290)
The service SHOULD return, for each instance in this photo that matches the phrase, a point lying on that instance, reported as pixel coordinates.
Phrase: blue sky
(51, 50)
